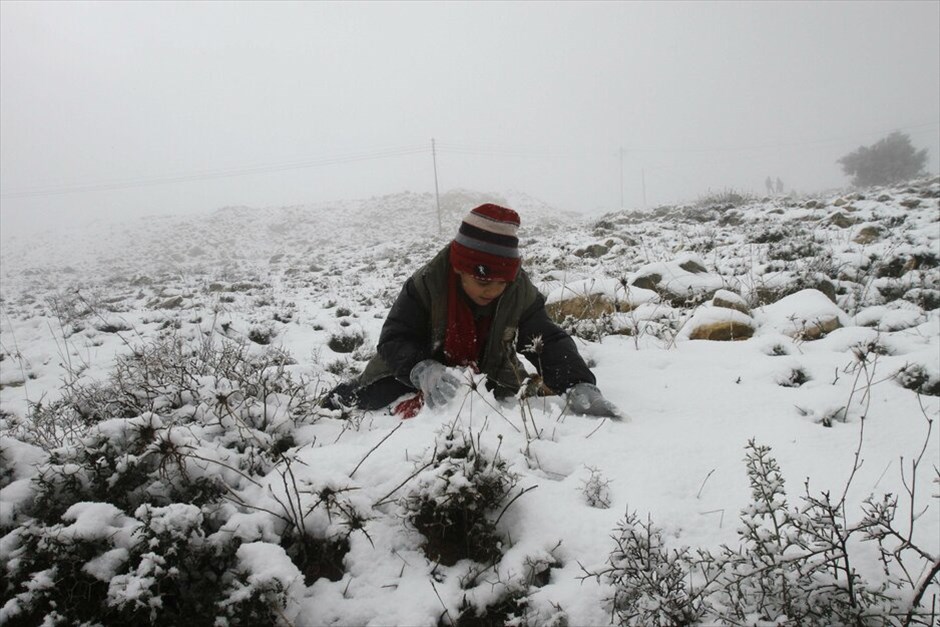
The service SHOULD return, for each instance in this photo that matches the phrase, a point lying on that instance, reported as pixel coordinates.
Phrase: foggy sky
(535, 97)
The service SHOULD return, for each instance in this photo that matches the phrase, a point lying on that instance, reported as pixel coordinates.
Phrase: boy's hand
(437, 381)
(585, 398)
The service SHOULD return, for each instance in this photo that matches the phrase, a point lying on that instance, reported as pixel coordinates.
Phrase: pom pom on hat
(486, 245)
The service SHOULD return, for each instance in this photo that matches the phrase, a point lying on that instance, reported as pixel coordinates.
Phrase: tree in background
(890, 160)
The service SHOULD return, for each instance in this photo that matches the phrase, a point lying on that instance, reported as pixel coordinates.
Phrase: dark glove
(585, 398)
(437, 381)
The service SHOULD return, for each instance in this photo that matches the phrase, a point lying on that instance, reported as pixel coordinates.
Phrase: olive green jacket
(417, 322)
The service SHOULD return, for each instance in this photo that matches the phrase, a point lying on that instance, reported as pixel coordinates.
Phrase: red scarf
(463, 339)
(461, 344)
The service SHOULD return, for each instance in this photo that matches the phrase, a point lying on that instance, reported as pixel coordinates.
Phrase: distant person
(471, 306)
(779, 186)
(769, 184)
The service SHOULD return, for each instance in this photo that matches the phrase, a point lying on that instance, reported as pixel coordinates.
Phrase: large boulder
(720, 324)
(682, 281)
(591, 298)
(805, 315)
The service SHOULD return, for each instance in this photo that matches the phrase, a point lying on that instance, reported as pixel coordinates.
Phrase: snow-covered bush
(346, 341)
(917, 378)
(176, 571)
(125, 462)
(100, 565)
(176, 427)
(596, 489)
(792, 566)
(650, 581)
(510, 607)
(248, 395)
(319, 517)
(92, 539)
(791, 563)
(590, 329)
(262, 334)
(793, 378)
(454, 498)
(265, 590)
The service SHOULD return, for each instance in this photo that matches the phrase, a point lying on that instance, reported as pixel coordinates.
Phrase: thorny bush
(123, 524)
(793, 566)
(225, 385)
(453, 499)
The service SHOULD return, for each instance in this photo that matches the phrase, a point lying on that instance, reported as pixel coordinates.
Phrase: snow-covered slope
(837, 299)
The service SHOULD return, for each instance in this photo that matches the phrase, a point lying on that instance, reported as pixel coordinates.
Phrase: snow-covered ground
(836, 322)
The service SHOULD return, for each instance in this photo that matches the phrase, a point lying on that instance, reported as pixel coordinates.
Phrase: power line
(450, 148)
(53, 190)
(503, 151)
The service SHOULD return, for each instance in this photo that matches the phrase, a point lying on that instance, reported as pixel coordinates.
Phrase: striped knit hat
(486, 245)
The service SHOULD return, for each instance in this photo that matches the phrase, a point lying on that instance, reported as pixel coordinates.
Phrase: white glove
(437, 381)
(585, 398)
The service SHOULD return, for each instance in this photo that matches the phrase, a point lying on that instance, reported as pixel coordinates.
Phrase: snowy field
(119, 478)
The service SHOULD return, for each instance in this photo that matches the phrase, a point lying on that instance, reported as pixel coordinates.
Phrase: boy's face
(481, 292)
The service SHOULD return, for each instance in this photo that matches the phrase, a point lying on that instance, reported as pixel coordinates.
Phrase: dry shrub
(581, 307)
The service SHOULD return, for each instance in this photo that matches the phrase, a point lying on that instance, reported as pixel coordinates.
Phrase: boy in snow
(471, 306)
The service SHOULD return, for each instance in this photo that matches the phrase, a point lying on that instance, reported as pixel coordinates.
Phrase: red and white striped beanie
(486, 245)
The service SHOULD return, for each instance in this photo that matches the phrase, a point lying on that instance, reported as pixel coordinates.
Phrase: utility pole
(437, 195)
(621, 178)
(643, 174)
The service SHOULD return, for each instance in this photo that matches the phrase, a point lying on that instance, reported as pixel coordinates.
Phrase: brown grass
(580, 308)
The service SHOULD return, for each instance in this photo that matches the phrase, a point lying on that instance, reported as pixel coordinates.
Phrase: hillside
(159, 380)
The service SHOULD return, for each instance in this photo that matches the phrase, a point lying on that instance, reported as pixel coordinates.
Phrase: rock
(867, 234)
(593, 251)
(839, 202)
(731, 218)
(810, 204)
(172, 303)
(910, 203)
(730, 300)
(682, 282)
(648, 281)
(691, 265)
(827, 287)
(720, 324)
(840, 220)
(884, 198)
(819, 328)
(724, 331)
(807, 315)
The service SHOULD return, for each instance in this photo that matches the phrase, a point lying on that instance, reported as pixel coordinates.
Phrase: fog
(111, 110)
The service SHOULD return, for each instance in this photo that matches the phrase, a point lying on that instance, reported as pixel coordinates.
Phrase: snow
(708, 314)
(107, 565)
(268, 565)
(693, 405)
(93, 521)
(793, 314)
